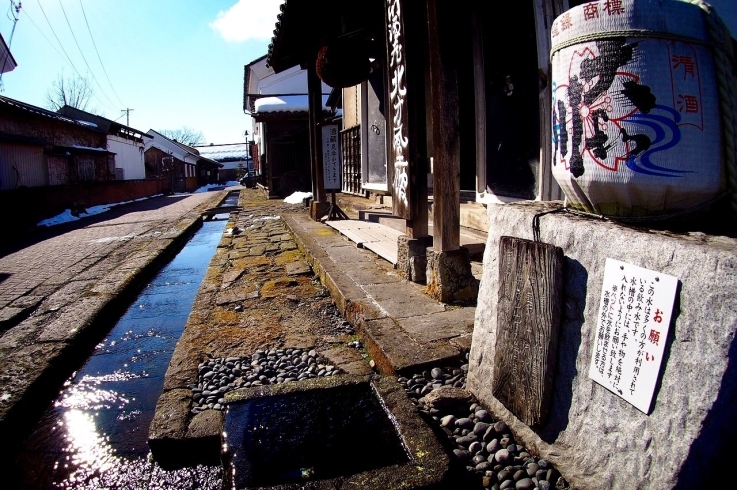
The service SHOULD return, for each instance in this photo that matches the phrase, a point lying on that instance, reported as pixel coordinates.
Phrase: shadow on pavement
(15, 240)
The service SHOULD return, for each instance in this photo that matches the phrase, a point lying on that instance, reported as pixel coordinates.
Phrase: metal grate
(350, 140)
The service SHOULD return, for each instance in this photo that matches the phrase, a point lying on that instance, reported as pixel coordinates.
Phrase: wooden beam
(415, 24)
(314, 94)
(443, 20)
(479, 82)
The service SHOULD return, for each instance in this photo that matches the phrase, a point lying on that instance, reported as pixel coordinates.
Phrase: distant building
(127, 143)
(230, 155)
(182, 164)
(277, 104)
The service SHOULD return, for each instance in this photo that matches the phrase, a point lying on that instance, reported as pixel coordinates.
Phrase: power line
(65, 52)
(81, 53)
(49, 41)
(57, 37)
(44, 35)
(98, 53)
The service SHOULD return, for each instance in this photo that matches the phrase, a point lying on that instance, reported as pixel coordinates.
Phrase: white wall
(128, 156)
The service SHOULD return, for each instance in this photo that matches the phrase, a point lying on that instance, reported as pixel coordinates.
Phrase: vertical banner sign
(331, 156)
(398, 120)
(631, 331)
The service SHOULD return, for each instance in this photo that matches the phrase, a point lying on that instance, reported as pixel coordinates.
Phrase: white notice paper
(631, 331)
(331, 156)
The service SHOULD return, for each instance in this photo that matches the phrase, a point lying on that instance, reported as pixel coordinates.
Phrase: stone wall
(595, 438)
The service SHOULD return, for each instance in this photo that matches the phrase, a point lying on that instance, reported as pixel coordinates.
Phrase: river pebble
(485, 447)
(216, 377)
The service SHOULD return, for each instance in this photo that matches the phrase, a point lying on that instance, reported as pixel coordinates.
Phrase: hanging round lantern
(343, 62)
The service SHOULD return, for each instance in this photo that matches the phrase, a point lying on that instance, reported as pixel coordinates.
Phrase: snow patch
(297, 197)
(66, 216)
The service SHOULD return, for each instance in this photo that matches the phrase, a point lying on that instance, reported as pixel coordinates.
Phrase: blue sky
(175, 62)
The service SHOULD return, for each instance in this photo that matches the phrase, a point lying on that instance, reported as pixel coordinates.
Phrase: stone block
(449, 276)
(394, 350)
(411, 258)
(176, 441)
(402, 301)
(10, 316)
(347, 359)
(168, 429)
(206, 425)
(298, 268)
(72, 321)
(595, 438)
(443, 325)
(319, 210)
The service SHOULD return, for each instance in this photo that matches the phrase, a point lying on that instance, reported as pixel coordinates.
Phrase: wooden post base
(449, 277)
(412, 257)
(319, 209)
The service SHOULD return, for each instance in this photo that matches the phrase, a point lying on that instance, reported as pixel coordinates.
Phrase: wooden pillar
(314, 91)
(269, 163)
(442, 23)
(416, 57)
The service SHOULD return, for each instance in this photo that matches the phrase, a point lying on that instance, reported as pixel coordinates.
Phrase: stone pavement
(402, 328)
(60, 289)
(260, 293)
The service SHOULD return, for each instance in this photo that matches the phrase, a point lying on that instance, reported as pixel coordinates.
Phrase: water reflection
(94, 436)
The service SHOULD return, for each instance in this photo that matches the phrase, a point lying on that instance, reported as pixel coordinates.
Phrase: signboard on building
(631, 331)
(331, 156)
(398, 119)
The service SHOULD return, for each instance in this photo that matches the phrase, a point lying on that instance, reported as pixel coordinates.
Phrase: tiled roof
(43, 112)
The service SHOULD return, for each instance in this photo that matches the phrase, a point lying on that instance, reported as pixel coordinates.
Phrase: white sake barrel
(636, 129)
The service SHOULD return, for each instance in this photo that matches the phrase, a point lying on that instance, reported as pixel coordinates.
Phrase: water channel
(94, 434)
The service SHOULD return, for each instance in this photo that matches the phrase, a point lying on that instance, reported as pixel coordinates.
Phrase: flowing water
(94, 435)
(316, 434)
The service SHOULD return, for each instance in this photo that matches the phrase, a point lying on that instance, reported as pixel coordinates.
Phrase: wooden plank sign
(528, 319)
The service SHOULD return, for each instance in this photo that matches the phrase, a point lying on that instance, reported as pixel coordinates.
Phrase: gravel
(485, 447)
(216, 377)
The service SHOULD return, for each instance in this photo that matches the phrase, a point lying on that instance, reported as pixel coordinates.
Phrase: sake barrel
(635, 109)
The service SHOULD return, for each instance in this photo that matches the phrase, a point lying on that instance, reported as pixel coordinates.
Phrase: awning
(285, 103)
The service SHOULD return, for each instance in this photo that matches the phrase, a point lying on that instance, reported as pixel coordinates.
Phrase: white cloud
(248, 19)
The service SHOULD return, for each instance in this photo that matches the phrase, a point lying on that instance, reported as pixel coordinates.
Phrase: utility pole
(127, 116)
(15, 15)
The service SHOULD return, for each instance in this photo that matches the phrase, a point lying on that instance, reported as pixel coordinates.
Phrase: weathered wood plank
(383, 250)
(528, 319)
(314, 100)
